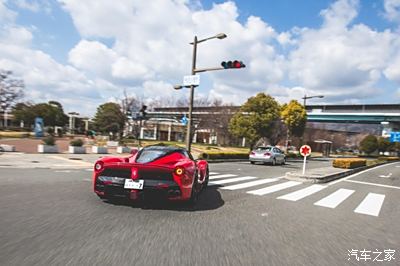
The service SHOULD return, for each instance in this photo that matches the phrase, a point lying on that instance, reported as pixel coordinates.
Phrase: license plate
(134, 184)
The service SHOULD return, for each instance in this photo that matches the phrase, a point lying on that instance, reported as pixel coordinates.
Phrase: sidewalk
(30, 145)
(325, 174)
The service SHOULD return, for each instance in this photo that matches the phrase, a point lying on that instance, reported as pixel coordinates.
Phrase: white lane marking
(359, 173)
(302, 193)
(250, 184)
(334, 199)
(274, 188)
(89, 169)
(372, 184)
(386, 176)
(371, 205)
(63, 171)
(232, 180)
(71, 161)
(221, 176)
(213, 173)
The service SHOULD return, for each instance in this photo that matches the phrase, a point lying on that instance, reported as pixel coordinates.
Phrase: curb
(328, 178)
(241, 160)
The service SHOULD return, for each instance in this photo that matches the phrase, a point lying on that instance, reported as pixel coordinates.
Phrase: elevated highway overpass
(387, 115)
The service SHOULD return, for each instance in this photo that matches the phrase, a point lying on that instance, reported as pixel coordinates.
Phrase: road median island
(330, 173)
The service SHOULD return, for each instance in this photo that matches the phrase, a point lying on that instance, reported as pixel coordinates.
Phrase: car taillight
(267, 154)
(179, 171)
(98, 166)
(252, 153)
(134, 173)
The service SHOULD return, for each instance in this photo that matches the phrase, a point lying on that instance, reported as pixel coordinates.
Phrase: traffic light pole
(189, 124)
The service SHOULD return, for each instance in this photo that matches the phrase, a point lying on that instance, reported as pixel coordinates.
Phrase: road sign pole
(305, 150)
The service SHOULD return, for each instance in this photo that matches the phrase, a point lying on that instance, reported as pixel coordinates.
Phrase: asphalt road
(52, 217)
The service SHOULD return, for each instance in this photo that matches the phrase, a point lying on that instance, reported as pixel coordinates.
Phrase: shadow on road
(209, 199)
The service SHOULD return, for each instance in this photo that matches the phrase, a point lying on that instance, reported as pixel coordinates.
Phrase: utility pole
(189, 125)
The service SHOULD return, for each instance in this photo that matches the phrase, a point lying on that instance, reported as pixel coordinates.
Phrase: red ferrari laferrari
(167, 171)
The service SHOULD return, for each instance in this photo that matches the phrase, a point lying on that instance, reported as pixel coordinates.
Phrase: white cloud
(340, 13)
(341, 60)
(392, 10)
(148, 51)
(6, 15)
(93, 57)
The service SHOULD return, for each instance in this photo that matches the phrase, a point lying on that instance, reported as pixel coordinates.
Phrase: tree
(11, 89)
(369, 144)
(256, 119)
(294, 116)
(109, 118)
(23, 112)
(384, 144)
(51, 112)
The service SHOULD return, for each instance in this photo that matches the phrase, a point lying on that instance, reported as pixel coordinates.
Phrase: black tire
(1, 150)
(274, 162)
(252, 162)
(205, 184)
(195, 192)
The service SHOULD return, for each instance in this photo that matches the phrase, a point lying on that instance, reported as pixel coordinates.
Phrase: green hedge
(224, 155)
(294, 155)
(76, 142)
(349, 163)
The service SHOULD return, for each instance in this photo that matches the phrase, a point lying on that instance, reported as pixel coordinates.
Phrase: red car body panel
(164, 167)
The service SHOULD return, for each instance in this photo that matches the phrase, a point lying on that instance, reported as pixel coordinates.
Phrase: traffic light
(232, 64)
(142, 111)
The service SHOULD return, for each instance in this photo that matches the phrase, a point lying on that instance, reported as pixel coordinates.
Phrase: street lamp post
(189, 124)
(193, 72)
(310, 97)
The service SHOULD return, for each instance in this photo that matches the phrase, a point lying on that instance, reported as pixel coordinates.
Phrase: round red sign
(305, 150)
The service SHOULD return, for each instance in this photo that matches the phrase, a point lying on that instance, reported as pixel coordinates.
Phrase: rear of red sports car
(169, 172)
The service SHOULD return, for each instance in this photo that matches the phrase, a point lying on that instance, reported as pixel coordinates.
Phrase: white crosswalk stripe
(250, 184)
(371, 205)
(232, 180)
(302, 193)
(274, 188)
(334, 199)
(221, 176)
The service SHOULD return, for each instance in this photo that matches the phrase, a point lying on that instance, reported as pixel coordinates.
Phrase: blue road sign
(39, 127)
(184, 120)
(395, 137)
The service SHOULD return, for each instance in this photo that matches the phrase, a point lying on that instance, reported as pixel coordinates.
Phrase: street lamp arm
(218, 36)
(198, 70)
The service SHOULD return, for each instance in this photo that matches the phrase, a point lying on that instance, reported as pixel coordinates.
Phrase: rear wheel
(205, 184)
(195, 191)
(252, 162)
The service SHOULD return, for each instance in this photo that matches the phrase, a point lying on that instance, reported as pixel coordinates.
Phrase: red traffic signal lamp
(232, 64)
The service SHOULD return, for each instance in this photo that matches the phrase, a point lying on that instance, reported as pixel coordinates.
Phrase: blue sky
(86, 53)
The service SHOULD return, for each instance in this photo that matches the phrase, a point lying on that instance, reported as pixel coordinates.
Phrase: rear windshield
(146, 156)
(263, 148)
